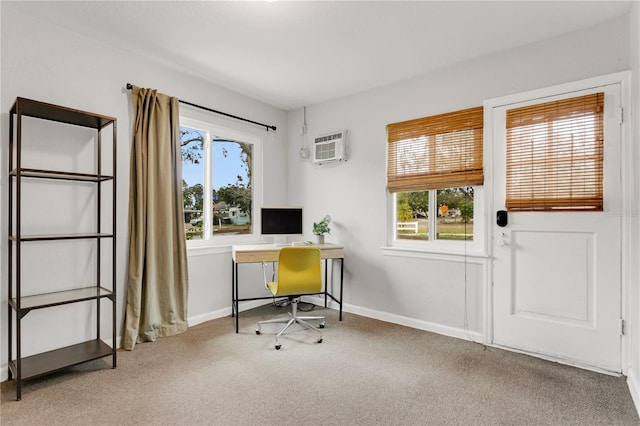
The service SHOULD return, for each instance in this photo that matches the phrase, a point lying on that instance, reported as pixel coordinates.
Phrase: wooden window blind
(442, 151)
(555, 155)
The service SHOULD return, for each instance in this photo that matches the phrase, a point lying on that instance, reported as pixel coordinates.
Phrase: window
(434, 168)
(555, 155)
(220, 176)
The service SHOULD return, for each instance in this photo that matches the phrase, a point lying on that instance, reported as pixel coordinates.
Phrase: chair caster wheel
(278, 346)
(321, 325)
(258, 332)
(320, 340)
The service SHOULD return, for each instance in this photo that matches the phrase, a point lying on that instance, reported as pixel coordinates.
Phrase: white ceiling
(296, 53)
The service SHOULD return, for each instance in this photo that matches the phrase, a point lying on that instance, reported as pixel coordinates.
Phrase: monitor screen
(281, 221)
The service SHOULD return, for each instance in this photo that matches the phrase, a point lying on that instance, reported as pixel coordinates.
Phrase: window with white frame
(434, 172)
(437, 214)
(220, 181)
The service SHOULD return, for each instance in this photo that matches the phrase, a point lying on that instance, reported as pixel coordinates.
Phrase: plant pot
(320, 239)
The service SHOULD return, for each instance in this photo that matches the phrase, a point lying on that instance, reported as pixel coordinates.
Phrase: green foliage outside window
(237, 195)
(405, 214)
(453, 214)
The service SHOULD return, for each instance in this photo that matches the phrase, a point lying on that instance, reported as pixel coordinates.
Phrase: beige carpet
(366, 372)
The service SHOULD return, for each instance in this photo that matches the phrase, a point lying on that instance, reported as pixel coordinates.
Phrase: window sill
(209, 247)
(204, 250)
(436, 254)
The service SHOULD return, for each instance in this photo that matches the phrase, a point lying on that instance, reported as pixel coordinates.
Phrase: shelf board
(50, 237)
(61, 114)
(53, 174)
(46, 362)
(46, 300)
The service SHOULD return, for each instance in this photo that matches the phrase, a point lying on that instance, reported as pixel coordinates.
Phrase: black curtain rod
(266, 126)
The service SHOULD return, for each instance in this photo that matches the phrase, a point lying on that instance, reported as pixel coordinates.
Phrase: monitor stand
(280, 241)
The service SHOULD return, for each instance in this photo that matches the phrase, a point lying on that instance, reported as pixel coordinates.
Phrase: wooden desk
(258, 253)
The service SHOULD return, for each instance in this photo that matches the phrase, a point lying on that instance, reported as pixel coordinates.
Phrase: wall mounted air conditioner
(330, 147)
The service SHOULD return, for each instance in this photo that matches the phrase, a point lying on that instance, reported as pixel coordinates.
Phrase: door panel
(556, 275)
(569, 278)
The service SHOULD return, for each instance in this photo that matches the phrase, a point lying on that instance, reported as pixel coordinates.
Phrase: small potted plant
(322, 228)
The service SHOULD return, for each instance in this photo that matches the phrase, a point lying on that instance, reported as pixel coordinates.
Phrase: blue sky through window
(225, 169)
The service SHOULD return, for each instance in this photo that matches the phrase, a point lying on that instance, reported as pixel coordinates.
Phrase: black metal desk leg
(233, 288)
(326, 282)
(235, 293)
(341, 284)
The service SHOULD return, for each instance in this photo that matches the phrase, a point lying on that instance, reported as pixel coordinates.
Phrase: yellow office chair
(299, 273)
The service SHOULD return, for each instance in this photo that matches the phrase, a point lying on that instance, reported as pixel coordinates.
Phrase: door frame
(624, 79)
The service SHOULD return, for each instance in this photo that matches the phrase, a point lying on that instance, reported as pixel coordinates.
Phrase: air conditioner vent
(329, 147)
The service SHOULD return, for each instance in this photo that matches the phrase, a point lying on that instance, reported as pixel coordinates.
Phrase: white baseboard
(401, 320)
(633, 382)
(199, 319)
(225, 312)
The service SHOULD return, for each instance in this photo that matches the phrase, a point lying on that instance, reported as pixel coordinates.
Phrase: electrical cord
(466, 306)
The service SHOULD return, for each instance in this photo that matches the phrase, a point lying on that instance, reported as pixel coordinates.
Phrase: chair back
(299, 271)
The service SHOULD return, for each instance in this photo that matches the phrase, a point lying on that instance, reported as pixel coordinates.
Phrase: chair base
(293, 318)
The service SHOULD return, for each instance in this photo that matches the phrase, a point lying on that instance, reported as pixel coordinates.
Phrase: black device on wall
(501, 218)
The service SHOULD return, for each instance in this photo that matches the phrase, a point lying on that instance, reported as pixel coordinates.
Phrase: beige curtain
(157, 275)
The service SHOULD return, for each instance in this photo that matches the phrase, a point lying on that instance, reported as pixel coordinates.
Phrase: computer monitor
(281, 222)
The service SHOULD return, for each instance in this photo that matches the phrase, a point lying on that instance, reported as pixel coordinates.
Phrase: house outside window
(221, 179)
(438, 214)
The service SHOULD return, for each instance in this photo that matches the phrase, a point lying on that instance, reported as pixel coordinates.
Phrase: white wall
(47, 63)
(421, 292)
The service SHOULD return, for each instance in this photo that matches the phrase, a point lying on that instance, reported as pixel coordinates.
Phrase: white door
(556, 275)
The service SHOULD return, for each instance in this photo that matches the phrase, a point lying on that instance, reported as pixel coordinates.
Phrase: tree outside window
(453, 218)
(217, 184)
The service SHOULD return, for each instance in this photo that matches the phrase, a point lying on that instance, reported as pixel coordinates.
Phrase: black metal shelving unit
(23, 368)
